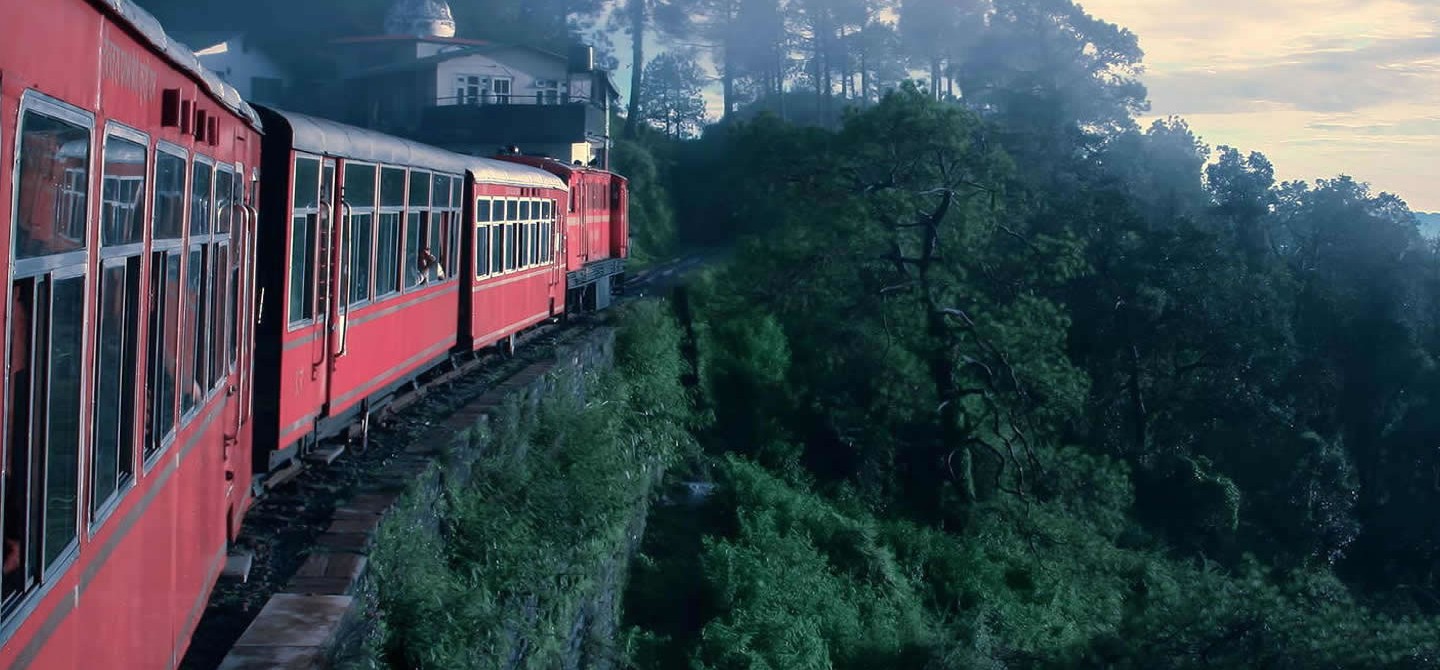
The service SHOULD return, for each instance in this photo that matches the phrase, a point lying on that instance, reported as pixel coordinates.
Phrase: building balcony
(503, 120)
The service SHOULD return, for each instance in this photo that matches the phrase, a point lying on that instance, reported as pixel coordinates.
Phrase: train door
(328, 247)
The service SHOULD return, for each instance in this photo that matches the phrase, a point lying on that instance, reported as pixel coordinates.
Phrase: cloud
(1323, 87)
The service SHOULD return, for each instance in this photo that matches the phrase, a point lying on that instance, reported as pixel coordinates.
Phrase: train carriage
(127, 177)
(361, 280)
(515, 247)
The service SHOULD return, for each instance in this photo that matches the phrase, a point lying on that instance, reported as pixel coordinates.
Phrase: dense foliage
(1019, 384)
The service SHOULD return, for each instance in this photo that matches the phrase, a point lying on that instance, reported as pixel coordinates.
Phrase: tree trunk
(864, 80)
(935, 77)
(637, 61)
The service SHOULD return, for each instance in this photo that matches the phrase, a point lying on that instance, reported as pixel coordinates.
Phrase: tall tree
(673, 100)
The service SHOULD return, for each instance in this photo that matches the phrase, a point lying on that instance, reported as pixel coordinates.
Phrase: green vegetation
(975, 404)
(501, 573)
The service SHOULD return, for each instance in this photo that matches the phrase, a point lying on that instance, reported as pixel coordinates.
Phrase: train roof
(513, 174)
(554, 165)
(181, 56)
(332, 138)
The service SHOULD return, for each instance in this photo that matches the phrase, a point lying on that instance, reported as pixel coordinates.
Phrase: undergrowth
(518, 567)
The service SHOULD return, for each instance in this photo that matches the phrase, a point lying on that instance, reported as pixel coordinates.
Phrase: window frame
(168, 246)
(205, 244)
(352, 214)
(107, 257)
(312, 241)
(55, 268)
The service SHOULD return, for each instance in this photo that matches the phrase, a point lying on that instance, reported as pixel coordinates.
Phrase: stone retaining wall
(321, 615)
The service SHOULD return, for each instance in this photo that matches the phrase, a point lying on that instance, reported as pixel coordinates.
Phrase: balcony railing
(482, 99)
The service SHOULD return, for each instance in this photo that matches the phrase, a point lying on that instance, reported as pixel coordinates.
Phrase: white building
(253, 73)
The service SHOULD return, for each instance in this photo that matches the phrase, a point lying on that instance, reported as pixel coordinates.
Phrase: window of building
(39, 491)
(468, 89)
(547, 91)
(500, 87)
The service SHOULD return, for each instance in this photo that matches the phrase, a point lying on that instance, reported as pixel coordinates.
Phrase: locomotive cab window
(39, 492)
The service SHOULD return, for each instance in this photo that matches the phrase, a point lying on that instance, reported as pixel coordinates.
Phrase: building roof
(330, 138)
(142, 22)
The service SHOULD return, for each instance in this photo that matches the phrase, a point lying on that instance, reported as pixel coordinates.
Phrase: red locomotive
(200, 292)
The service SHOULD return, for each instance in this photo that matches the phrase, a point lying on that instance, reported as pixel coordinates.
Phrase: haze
(1322, 87)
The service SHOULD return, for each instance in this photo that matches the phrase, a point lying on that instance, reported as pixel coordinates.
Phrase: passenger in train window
(427, 261)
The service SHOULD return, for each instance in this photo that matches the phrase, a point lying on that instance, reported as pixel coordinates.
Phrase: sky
(1321, 87)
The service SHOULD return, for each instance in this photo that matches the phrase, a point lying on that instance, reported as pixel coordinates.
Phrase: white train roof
(332, 138)
(491, 171)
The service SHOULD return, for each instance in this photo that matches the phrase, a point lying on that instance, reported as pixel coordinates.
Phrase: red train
(201, 290)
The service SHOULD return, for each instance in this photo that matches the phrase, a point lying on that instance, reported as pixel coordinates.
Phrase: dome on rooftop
(422, 18)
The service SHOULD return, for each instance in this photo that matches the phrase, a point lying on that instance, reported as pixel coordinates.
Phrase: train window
(307, 182)
(535, 242)
(451, 249)
(169, 213)
(419, 189)
(435, 243)
(54, 167)
(512, 210)
(121, 224)
(455, 183)
(482, 251)
(512, 246)
(224, 191)
(302, 267)
(163, 361)
(361, 235)
(219, 321)
(232, 338)
(201, 198)
(359, 230)
(497, 248)
(392, 187)
(46, 339)
(441, 192)
(195, 331)
(115, 357)
(387, 258)
(414, 234)
(122, 192)
(306, 214)
(360, 186)
(523, 240)
(482, 210)
(525, 209)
